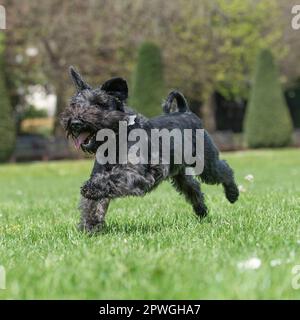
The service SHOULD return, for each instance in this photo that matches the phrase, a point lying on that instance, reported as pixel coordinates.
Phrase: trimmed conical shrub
(148, 84)
(268, 121)
(7, 125)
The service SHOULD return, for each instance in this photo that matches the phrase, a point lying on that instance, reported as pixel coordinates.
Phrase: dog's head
(92, 109)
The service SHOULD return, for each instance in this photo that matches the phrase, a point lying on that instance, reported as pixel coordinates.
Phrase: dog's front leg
(119, 182)
(92, 214)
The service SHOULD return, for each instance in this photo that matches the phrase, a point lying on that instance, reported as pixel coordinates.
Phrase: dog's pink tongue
(80, 139)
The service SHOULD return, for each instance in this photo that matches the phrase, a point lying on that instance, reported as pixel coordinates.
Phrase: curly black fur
(93, 109)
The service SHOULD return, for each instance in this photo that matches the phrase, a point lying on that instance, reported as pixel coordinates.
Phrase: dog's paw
(201, 210)
(90, 191)
(232, 193)
(91, 228)
(86, 190)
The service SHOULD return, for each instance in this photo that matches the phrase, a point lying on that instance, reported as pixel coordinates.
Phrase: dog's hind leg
(218, 171)
(190, 188)
(226, 176)
(92, 214)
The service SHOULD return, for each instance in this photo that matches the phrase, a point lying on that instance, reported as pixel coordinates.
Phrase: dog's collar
(131, 120)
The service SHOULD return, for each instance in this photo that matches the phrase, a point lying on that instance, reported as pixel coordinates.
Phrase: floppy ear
(79, 83)
(116, 87)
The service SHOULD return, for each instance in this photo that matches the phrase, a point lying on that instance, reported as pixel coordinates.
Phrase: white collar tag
(131, 120)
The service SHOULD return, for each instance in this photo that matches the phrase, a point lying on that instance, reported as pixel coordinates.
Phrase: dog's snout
(76, 125)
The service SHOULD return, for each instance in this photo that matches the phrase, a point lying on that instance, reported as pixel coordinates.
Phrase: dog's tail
(182, 104)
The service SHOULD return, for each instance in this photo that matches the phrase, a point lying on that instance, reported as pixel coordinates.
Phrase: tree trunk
(209, 113)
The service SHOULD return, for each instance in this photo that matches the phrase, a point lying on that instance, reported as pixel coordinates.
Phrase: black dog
(93, 109)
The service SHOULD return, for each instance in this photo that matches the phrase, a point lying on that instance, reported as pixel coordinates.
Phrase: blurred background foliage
(7, 127)
(267, 122)
(206, 48)
(148, 86)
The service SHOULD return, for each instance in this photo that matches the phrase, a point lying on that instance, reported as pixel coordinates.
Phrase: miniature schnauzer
(93, 109)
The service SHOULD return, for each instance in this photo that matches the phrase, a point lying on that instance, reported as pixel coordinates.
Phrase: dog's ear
(79, 83)
(116, 87)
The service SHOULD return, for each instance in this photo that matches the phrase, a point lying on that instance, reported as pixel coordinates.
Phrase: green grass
(153, 247)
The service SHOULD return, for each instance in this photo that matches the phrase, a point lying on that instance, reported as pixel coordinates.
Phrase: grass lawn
(153, 247)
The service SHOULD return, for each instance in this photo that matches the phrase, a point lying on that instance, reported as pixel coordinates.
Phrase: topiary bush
(267, 121)
(148, 83)
(7, 124)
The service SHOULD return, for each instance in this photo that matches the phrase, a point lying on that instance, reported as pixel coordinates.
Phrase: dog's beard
(93, 119)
